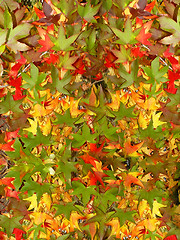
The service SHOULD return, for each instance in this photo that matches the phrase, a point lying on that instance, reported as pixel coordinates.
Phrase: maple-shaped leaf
(170, 84)
(33, 141)
(89, 159)
(150, 196)
(130, 179)
(45, 43)
(66, 168)
(19, 32)
(124, 112)
(151, 132)
(58, 83)
(83, 136)
(65, 209)
(9, 104)
(88, 12)
(103, 128)
(62, 43)
(154, 73)
(18, 233)
(128, 36)
(172, 237)
(129, 78)
(66, 118)
(124, 216)
(80, 190)
(34, 187)
(19, 209)
(10, 223)
(35, 80)
(144, 34)
(169, 25)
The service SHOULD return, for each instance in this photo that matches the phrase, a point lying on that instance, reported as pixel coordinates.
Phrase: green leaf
(65, 209)
(126, 37)
(124, 216)
(33, 141)
(66, 119)
(9, 104)
(35, 80)
(33, 187)
(8, 24)
(66, 168)
(129, 78)
(80, 190)
(63, 237)
(62, 43)
(10, 223)
(3, 34)
(37, 230)
(107, 4)
(19, 32)
(61, 83)
(85, 136)
(150, 195)
(124, 112)
(88, 12)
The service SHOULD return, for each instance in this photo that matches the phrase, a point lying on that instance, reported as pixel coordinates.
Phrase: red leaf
(172, 237)
(7, 146)
(52, 59)
(10, 193)
(93, 147)
(136, 52)
(150, 6)
(18, 94)
(7, 181)
(110, 59)
(144, 34)
(39, 13)
(2, 236)
(18, 233)
(143, 37)
(46, 43)
(10, 135)
(89, 159)
(170, 85)
(15, 82)
(79, 65)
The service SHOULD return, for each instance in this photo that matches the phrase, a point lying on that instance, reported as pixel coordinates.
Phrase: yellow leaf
(46, 199)
(40, 217)
(74, 221)
(143, 208)
(39, 111)
(156, 121)
(115, 225)
(33, 127)
(143, 122)
(149, 104)
(46, 126)
(33, 201)
(156, 207)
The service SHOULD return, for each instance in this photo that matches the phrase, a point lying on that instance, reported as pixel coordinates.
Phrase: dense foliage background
(89, 119)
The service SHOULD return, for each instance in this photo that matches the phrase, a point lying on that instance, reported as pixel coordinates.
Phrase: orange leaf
(7, 181)
(132, 180)
(130, 149)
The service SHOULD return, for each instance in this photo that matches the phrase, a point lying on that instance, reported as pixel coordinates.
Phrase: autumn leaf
(130, 179)
(131, 149)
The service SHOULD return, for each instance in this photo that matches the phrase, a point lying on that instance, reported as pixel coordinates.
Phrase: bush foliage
(89, 119)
